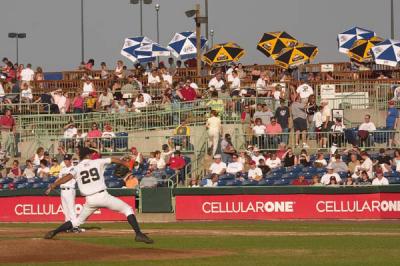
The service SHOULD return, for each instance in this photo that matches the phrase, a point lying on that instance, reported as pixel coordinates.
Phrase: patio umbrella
(152, 50)
(301, 54)
(131, 44)
(347, 38)
(387, 53)
(183, 45)
(272, 43)
(361, 49)
(223, 53)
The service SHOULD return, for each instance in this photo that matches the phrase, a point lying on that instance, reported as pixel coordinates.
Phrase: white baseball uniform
(89, 176)
(68, 194)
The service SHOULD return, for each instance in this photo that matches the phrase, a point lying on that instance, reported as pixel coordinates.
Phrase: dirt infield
(27, 246)
(62, 249)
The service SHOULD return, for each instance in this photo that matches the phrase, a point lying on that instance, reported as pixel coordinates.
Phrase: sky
(53, 26)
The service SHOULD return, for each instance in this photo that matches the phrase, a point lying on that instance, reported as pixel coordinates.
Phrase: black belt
(67, 188)
(101, 191)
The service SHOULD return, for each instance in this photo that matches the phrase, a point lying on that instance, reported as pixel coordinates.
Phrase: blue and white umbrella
(346, 39)
(152, 50)
(387, 53)
(130, 46)
(183, 45)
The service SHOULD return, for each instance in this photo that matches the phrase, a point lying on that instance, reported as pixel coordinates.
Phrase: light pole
(82, 35)
(212, 37)
(391, 19)
(206, 8)
(199, 20)
(157, 7)
(16, 35)
(157, 21)
(141, 2)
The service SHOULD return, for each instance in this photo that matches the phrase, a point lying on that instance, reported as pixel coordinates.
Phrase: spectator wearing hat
(379, 179)
(299, 116)
(218, 166)
(182, 135)
(178, 163)
(326, 178)
(107, 138)
(349, 180)
(300, 181)
(282, 114)
(333, 182)
(254, 173)
(188, 92)
(257, 156)
(55, 168)
(392, 119)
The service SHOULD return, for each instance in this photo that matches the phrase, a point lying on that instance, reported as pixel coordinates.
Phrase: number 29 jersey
(89, 175)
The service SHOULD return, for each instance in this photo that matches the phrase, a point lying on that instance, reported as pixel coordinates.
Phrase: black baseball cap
(67, 157)
(84, 151)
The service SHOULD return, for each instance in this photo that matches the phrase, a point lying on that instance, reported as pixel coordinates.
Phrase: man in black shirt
(282, 115)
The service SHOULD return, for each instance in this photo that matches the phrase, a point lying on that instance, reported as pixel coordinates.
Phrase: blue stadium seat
(266, 182)
(116, 183)
(227, 177)
(342, 175)
(282, 182)
(203, 182)
(111, 167)
(250, 182)
(222, 183)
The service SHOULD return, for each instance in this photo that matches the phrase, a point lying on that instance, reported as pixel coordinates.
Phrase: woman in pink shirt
(94, 135)
(78, 103)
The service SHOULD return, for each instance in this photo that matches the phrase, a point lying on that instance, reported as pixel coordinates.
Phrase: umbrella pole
(198, 41)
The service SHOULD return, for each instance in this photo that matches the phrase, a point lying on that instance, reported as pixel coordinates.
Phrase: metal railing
(319, 140)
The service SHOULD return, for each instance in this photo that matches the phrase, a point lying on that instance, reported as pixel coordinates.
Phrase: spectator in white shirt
(366, 138)
(218, 166)
(325, 179)
(214, 128)
(261, 85)
(257, 156)
(367, 164)
(273, 161)
(216, 82)
(140, 103)
(380, 180)
(146, 96)
(60, 100)
(304, 90)
(27, 74)
(254, 172)
(235, 85)
(70, 131)
(212, 181)
(26, 93)
(166, 76)
(153, 78)
(88, 87)
(235, 167)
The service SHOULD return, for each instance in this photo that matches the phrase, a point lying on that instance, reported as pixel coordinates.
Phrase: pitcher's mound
(41, 250)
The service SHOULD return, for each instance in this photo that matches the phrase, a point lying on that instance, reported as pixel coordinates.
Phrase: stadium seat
(250, 182)
(203, 182)
(266, 182)
(282, 182)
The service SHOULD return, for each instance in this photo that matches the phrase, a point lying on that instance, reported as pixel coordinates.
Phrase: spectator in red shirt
(7, 127)
(274, 131)
(177, 163)
(300, 181)
(188, 93)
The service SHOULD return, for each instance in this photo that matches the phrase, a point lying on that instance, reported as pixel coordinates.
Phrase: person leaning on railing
(8, 129)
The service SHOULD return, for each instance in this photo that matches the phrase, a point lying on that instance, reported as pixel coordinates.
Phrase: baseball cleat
(50, 235)
(78, 230)
(140, 237)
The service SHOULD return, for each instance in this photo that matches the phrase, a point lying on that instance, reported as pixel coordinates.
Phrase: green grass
(260, 250)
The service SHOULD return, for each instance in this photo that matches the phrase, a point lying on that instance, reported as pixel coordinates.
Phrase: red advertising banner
(49, 209)
(294, 206)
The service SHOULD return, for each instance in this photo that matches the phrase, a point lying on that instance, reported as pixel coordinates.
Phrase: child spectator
(55, 168)
(15, 170)
(43, 171)
(254, 173)
(29, 171)
(91, 102)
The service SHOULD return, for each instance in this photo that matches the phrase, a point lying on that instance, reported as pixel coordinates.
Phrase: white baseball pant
(68, 203)
(101, 200)
(213, 139)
